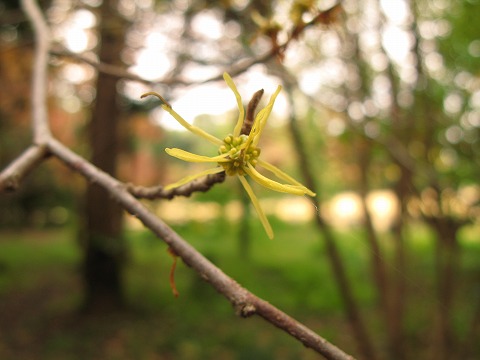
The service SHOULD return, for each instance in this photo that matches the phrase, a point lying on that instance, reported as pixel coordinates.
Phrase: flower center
(239, 156)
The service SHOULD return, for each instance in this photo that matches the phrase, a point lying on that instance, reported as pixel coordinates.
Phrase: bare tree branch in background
(245, 303)
(101, 67)
(322, 17)
(40, 73)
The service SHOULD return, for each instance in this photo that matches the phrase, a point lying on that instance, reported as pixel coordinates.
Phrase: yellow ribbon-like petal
(274, 185)
(258, 208)
(189, 178)
(261, 120)
(191, 157)
(241, 110)
(197, 131)
(266, 113)
(281, 175)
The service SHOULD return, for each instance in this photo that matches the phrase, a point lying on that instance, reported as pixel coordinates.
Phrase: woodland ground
(41, 293)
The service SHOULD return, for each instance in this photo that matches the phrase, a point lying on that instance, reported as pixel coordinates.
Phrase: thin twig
(102, 67)
(12, 176)
(122, 73)
(158, 192)
(250, 115)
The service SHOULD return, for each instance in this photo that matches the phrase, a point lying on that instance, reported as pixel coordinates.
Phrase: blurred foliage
(40, 268)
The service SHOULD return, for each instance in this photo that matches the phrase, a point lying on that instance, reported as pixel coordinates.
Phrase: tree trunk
(447, 258)
(357, 323)
(104, 248)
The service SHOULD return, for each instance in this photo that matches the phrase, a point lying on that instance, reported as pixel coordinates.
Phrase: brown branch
(245, 303)
(12, 176)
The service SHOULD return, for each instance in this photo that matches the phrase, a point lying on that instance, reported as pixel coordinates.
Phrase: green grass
(293, 273)
(27, 255)
(40, 291)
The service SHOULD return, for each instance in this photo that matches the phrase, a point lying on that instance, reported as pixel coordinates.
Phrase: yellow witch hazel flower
(238, 154)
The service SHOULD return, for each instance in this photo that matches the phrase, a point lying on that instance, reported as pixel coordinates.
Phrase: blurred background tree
(379, 96)
(102, 236)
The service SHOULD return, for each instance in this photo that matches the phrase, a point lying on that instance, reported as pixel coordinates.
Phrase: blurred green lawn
(40, 293)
